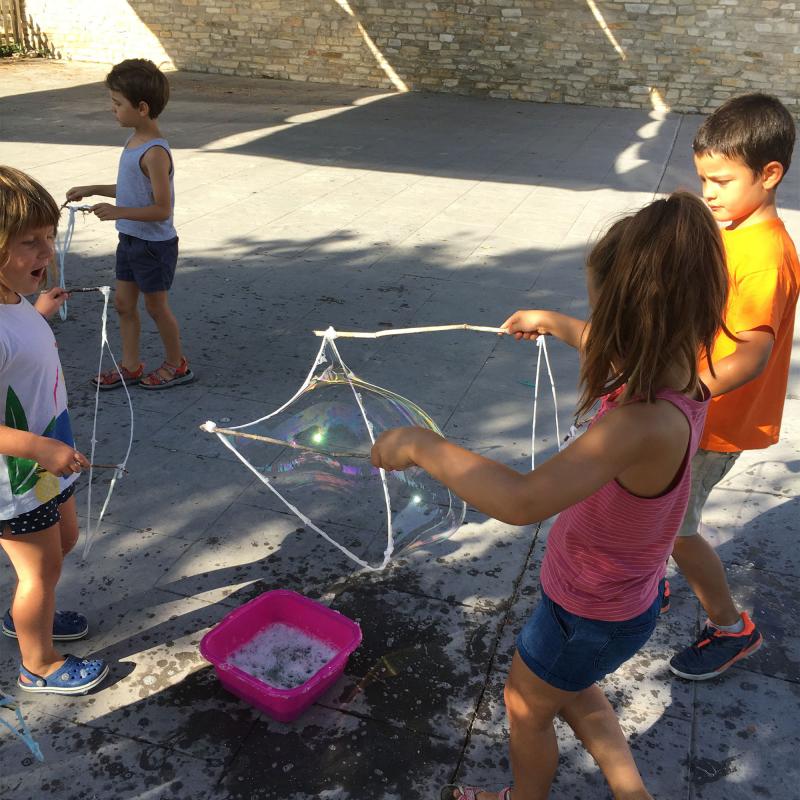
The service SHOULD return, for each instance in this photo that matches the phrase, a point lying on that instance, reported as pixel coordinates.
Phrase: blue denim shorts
(571, 652)
(150, 265)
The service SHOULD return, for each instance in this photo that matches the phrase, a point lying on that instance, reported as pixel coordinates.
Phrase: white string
(387, 553)
(328, 339)
(320, 359)
(541, 346)
(120, 470)
(63, 243)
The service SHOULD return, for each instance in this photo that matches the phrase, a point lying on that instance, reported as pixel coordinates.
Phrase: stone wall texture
(689, 55)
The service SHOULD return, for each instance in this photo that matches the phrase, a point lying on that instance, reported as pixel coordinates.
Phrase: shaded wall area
(689, 55)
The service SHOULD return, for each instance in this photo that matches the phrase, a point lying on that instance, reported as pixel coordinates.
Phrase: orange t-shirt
(764, 279)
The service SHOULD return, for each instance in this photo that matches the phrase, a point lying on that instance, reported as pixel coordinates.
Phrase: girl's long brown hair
(661, 287)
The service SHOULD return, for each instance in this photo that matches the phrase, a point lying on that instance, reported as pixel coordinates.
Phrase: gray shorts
(708, 469)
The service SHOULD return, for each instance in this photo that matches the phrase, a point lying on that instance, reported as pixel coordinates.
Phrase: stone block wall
(688, 54)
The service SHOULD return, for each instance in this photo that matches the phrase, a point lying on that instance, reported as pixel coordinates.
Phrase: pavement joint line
(692, 745)
(389, 723)
(752, 568)
(495, 645)
(749, 492)
(668, 156)
(472, 382)
(742, 667)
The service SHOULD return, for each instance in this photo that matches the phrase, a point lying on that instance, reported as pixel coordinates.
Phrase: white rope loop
(387, 553)
(328, 337)
(91, 529)
(541, 346)
(63, 243)
(320, 359)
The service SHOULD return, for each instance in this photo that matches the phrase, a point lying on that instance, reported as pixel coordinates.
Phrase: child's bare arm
(156, 165)
(620, 441)
(533, 323)
(56, 457)
(79, 192)
(743, 365)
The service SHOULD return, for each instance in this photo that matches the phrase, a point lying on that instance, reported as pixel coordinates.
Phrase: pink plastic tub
(289, 608)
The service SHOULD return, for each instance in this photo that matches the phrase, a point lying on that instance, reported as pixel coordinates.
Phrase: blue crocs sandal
(67, 626)
(74, 676)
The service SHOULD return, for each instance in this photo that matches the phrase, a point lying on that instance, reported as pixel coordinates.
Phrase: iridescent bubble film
(327, 474)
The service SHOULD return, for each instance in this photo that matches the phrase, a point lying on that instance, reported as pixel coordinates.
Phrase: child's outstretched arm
(55, 456)
(743, 365)
(621, 441)
(533, 323)
(79, 192)
(156, 164)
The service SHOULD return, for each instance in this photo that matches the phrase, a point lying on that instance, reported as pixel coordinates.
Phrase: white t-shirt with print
(32, 398)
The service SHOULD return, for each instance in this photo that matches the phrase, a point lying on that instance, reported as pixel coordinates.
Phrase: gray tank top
(134, 190)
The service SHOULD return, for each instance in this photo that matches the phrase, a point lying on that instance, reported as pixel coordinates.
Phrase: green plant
(8, 50)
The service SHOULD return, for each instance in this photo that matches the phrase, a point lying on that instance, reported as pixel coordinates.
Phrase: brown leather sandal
(114, 379)
(168, 375)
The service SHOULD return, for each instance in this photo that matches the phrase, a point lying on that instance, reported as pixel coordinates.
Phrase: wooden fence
(13, 30)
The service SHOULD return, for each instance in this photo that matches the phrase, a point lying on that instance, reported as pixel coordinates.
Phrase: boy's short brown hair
(754, 128)
(140, 80)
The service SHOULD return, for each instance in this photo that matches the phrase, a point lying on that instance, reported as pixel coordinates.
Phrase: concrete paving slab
(660, 747)
(422, 662)
(249, 545)
(754, 529)
(475, 567)
(118, 767)
(336, 756)
(746, 740)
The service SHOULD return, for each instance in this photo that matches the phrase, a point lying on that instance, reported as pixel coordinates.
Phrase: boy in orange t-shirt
(741, 152)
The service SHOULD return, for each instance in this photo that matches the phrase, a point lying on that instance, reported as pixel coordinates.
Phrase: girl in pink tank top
(657, 286)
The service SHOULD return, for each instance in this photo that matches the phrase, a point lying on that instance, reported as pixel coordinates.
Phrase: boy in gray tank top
(147, 252)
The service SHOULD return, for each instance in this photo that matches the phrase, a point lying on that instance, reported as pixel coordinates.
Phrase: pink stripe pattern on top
(607, 554)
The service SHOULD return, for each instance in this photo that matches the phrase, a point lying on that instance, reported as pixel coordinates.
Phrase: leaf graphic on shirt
(22, 473)
(15, 413)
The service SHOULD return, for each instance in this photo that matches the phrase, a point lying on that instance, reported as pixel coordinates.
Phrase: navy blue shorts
(571, 652)
(40, 518)
(150, 265)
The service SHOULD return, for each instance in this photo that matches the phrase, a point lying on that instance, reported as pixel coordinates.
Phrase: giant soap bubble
(313, 453)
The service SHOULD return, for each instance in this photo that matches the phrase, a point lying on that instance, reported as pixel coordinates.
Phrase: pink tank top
(606, 554)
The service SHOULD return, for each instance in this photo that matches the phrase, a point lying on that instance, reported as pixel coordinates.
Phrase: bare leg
(595, 723)
(36, 558)
(126, 301)
(532, 705)
(157, 306)
(68, 525)
(705, 574)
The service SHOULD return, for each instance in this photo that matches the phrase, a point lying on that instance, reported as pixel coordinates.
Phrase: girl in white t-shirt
(38, 461)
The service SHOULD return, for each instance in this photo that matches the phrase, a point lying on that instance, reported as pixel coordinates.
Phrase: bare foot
(42, 669)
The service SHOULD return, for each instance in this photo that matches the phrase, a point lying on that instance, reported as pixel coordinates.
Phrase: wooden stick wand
(210, 427)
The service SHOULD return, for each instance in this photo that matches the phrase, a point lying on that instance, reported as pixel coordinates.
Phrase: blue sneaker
(715, 651)
(74, 676)
(67, 625)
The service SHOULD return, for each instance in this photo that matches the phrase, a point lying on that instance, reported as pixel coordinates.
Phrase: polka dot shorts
(40, 518)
